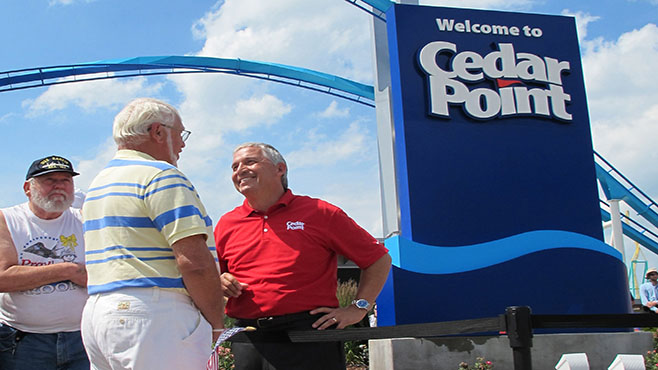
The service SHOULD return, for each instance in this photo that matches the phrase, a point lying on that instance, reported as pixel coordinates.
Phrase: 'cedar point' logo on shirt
(296, 225)
(509, 69)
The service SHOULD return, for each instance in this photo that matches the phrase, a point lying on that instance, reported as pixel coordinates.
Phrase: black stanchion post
(519, 332)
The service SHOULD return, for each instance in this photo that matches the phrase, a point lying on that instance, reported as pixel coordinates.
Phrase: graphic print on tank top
(47, 250)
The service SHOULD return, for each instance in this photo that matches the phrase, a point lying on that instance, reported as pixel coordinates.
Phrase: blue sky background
(329, 143)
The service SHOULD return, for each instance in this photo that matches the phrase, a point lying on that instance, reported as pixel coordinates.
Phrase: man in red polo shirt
(278, 253)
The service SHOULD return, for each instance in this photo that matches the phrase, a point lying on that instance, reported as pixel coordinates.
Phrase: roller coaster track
(159, 65)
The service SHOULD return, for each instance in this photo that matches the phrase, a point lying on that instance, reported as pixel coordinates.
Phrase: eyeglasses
(184, 134)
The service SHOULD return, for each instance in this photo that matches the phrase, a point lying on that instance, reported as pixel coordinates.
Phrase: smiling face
(255, 176)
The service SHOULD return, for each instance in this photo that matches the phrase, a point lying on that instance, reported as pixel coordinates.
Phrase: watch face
(362, 303)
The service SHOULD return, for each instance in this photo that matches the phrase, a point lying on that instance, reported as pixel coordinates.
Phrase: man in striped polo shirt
(154, 292)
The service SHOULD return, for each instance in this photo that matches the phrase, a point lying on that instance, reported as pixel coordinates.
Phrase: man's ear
(157, 133)
(26, 188)
(281, 168)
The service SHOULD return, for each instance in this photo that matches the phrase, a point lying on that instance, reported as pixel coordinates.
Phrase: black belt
(270, 321)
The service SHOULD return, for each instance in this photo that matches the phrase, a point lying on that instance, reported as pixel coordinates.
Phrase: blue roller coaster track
(616, 186)
(159, 65)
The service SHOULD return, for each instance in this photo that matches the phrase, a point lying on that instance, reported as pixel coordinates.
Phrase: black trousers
(268, 348)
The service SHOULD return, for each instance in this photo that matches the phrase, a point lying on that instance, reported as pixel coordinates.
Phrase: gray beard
(50, 205)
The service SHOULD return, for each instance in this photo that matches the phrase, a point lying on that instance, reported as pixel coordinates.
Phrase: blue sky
(330, 143)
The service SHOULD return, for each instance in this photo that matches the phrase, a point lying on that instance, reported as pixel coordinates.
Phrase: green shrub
(356, 352)
(346, 292)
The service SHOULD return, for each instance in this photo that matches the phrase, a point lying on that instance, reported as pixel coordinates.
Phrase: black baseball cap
(53, 163)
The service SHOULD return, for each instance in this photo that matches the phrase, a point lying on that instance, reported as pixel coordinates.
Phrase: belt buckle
(263, 321)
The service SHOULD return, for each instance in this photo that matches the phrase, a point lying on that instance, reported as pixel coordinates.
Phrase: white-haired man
(42, 274)
(278, 252)
(154, 296)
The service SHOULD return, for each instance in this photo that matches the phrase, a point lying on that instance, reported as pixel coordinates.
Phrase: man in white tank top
(42, 275)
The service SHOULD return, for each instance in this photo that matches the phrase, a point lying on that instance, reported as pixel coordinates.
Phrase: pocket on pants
(7, 338)
(197, 346)
(200, 329)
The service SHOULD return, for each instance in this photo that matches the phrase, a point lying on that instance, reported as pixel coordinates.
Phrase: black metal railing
(517, 323)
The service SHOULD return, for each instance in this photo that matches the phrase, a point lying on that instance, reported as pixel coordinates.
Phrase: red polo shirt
(288, 254)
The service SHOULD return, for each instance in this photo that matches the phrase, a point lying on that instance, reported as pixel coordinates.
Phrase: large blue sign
(495, 172)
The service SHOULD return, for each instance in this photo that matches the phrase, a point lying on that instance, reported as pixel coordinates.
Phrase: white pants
(144, 329)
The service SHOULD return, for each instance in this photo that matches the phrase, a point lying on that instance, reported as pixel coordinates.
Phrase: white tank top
(50, 308)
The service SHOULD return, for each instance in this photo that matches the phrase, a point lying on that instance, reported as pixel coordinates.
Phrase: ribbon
(69, 241)
(213, 361)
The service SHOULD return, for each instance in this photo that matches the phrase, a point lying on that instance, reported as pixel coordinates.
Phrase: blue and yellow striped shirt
(135, 210)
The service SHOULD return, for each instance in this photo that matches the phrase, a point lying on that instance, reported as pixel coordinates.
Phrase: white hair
(133, 122)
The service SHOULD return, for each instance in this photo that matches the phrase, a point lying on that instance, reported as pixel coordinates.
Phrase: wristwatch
(361, 303)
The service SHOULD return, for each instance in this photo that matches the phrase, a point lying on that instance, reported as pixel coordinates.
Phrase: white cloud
(342, 169)
(89, 168)
(6, 117)
(90, 95)
(215, 106)
(326, 35)
(60, 2)
(361, 202)
(332, 111)
(67, 2)
(319, 151)
(623, 102)
(654, 2)
(582, 21)
(264, 109)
